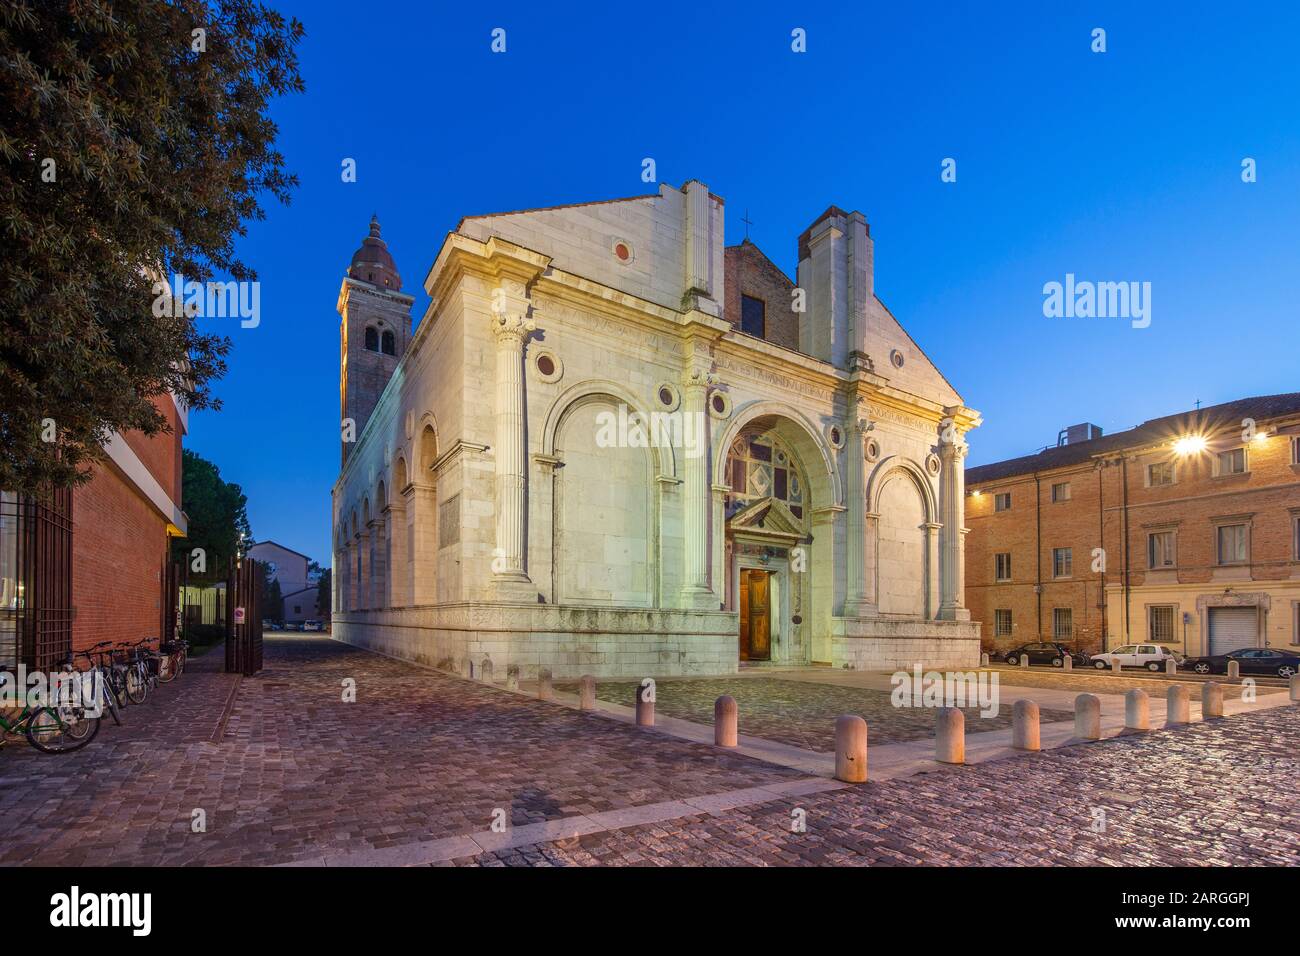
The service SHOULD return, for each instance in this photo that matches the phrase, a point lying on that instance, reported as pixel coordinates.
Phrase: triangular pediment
(766, 517)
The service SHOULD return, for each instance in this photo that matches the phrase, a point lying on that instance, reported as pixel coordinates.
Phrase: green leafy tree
(272, 596)
(218, 516)
(135, 145)
(323, 596)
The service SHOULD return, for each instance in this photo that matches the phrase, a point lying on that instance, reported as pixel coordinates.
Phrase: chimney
(835, 272)
(1075, 434)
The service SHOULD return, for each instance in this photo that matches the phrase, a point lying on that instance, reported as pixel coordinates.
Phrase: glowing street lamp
(1190, 444)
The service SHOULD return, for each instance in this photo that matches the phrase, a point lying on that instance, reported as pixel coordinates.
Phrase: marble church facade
(579, 459)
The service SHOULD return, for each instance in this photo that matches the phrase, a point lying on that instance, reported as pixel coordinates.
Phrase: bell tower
(374, 330)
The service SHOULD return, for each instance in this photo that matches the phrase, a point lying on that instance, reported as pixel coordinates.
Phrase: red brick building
(90, 565)
(1184, 530)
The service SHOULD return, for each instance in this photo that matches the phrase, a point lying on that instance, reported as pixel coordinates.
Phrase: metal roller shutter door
(1232, 628)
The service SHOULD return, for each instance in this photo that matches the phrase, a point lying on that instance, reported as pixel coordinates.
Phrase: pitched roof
(1203, 421)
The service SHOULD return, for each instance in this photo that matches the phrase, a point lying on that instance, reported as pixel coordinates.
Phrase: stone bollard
(984, 660)
(950, 736)
(1211, 700)
(1024, 659)
(1115, 667)
(544, 691)
(1177, 708)
(512, 677)
(1234, 670)
(1137, 710)
(587, 692)
(1024, 725)
(485, 670)
(1067, 663)
(1295, 687)
(850, 749)
(725, 717)
(1087, 717)
(1171, 667)
(645, 709)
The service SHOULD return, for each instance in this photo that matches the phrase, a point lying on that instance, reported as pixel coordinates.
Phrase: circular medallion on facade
(835, 435)
(720, 405)
(932, 463)
(668, 396)
(896, 358)
(548, 365)
(872, 449)
(622, 250)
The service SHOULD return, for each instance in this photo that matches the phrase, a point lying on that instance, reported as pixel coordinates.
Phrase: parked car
(1151, 656)
(1250, 660)
(293, 626)
(312, 626)
(1044, 652)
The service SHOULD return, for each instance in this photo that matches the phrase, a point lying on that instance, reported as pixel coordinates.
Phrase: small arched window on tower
(372, 339)
(390, 344)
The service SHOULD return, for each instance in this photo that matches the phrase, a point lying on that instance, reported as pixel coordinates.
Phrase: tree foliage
(132, 149)
(217, 512)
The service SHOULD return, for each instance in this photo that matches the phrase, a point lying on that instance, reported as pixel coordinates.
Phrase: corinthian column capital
(512, 327)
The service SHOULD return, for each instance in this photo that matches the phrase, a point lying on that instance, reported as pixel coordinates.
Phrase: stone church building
(614, 446)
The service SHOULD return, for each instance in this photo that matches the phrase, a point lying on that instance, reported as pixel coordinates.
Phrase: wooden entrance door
(755, 615)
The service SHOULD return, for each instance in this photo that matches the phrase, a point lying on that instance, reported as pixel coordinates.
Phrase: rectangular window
(753, 316)
(1062, 562)
(1295, 450)
(1231, 462)
(1160, 623)
(1002, 501)
(1295, 622)
(1061, 491)
(1002, 566)
(1295, 536)
(1062, 623)
(1161, 549)
(1232, 544)
(1002, 622)
(1160, 473)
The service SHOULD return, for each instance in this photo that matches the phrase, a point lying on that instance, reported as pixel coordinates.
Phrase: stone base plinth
(887, 644)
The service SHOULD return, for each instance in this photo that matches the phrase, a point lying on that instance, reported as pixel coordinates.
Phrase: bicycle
(56, 728)
(171, 661)
(101, 676)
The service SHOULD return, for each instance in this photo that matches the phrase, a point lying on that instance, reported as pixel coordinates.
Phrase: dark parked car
(1045, 653)
(1250, 660)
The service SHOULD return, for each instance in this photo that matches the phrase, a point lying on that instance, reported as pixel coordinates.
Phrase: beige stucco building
(578, 460)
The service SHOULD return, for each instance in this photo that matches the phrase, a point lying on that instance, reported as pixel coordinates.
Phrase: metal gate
(41, 606)
(1232, 628)
(244, 617)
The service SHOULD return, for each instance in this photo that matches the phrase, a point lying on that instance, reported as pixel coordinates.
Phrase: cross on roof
(746, 220)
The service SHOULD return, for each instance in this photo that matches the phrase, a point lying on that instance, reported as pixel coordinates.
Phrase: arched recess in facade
(597, 487)
(418, 552)
(903, 536)
(794, 538)
(399, 570)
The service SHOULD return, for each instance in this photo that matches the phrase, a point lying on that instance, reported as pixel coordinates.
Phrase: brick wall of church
(749, 272)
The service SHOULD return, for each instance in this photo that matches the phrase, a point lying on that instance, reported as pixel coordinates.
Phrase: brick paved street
(1224, 793)
(800, 713)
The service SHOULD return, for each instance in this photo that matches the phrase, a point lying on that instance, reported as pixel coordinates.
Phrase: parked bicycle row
(61, 712)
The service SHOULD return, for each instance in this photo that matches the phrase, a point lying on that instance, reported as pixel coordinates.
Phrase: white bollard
(512, 677)
(1024, 725)
(1137, 710)
(1171, 667)
(950, 736)
(850, 749)
(1211, 700)
(1115, 667)
(1295, 686)
(544, 689)
(725, 719)
(1067, 663)
(1024, 659)
(645, 709)
(1234, 670)
(984, 660)
(587, 692)
(1178, 709)
(1087, 717)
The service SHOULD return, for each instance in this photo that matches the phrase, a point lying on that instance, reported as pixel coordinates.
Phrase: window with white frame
(1160, 622)
(1295, 449)
(1231, 545)
(1160, 473)
(1295, 536)
(1230, 462)
(1002, 566)
(1062, 562)
(1162, 550)
(1062, 623)
(1002, 622)
(1061, 491)
(1002, 501)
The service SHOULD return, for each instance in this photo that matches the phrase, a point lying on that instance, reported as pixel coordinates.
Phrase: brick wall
(749, 272)
(161, 453)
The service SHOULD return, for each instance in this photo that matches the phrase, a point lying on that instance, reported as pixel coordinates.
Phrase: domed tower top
(373, 263)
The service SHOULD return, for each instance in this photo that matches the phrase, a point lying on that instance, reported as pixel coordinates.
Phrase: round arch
(664, 456)
(895, 465)
(803, 437)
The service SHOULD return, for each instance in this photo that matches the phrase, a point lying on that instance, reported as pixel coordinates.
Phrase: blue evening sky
(1122, 166)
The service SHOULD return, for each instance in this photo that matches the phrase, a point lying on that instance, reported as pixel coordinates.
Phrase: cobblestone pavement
(1092, 681)
(1221, 793)
(800, 713)
(296, 772)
